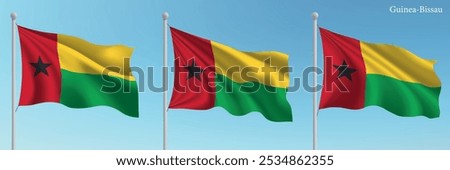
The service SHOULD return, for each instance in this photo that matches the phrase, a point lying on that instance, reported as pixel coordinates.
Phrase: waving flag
(360, 74)
(209, 74)
(68, 70)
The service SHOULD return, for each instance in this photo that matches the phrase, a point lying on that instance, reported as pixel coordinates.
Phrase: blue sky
(249, 25)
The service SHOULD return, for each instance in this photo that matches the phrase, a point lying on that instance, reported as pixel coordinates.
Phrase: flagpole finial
(165, 16)
(315, 15)
(13, 16)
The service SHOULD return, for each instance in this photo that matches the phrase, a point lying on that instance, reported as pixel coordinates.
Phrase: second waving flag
(209, 74)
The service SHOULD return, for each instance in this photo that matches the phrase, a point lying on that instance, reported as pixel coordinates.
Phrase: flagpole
(315, 16)
(165, 70)
(13, 64)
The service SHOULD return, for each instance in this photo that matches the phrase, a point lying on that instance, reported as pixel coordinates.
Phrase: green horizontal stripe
(402, 98)
(88, 90)
(242, 98)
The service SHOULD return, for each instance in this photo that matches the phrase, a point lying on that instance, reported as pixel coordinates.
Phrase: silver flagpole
(315, 16)
(165, 70)
(13, 74)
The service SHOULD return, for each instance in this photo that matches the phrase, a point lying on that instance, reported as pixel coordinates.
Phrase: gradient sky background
(249, 25)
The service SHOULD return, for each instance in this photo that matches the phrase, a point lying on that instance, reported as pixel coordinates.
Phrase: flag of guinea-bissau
(209, 74)
(71, 71)
(360, 74)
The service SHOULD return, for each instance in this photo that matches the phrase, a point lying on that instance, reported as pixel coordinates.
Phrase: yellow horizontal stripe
(268, 68)
(79, 56)
(398, 63)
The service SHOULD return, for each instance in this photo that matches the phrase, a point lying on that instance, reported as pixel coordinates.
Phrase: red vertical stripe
(197, 92)
(338, 90)
(41, 87)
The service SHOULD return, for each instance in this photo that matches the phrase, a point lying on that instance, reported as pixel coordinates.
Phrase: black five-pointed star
(344, 70)
(193, 71)
(40, 67)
